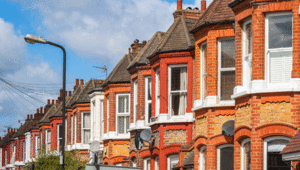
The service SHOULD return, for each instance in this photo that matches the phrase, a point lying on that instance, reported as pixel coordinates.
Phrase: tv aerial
(228, 128)
(103, 68)
(141, 137)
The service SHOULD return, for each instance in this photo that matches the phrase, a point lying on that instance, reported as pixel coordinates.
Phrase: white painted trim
(157, 96)
(201, 158)
(135, 99)
(246, 82)
(242, 152)
(266, 147)
(291, 156)
(175, 156)
(156, 164)
(147, 102)
(82, 129)
(145, 163)
(107, 112)
(122, 114)
(202, 85)
(219, 154)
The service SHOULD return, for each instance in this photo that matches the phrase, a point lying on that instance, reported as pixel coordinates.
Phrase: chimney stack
(76, 85)
(66, 93)
(129, 51)
(37, 110)
(81, 82)
(61, 92)
(56, 101)
(48, 102)
(31, 117)
(179, 4)
(203, 5)
(41, 111)
(27, 117)
(52, 101)
(70, 93)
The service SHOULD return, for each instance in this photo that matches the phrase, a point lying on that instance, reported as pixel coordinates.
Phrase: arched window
(272, 157)
(134, 162)
(246, 154)
(202, 158)
(225, 157)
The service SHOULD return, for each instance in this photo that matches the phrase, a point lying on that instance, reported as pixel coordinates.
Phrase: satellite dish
(95, 146)
(138, 141)
(228, 128)
(146, 135)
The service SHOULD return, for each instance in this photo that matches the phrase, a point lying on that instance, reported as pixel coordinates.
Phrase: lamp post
(32, 40)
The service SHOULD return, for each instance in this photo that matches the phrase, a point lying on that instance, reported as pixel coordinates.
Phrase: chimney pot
(27, 117)
(61, 92)
(52, 101)
(31, 117)
(144, 42)
(77, 82)
(70, 93)
(56, 101)
(203, 5)
(48, 101)
(66, 93)
(179, 4)
(129, 49)
(136, 41)
(41, 111)
(37, 110)
(81, 82)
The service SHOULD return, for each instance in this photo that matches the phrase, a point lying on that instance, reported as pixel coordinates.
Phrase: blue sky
(94, 33)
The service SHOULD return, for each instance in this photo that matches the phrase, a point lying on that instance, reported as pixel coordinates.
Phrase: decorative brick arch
(132, 154)
(155, 152)
(221, 140)
(145, 153)
(242, 133)
(117, 159)
(276, 129)
(105, 161)
(171, 149)
(200, 141)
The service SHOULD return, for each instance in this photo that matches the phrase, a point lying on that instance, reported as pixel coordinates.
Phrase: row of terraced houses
(234, 61)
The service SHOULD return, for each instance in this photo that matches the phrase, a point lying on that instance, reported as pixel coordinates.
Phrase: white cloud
(1, 108)
(12, 49)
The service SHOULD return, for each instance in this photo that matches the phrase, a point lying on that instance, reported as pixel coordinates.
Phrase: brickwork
(243, 116)
(174, 137)
(219, 121)
(156, 137)
(201, 127)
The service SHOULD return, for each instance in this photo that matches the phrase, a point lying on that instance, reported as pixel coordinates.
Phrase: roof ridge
(213, 14)
(186, 32)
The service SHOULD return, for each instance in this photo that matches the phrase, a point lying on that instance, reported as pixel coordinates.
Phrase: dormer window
(178, 90)
(279, 36)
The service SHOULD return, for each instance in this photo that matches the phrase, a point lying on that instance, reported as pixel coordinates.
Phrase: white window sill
(79, 146)
(212, 101)
(140, 124)
(115, 135)
(166, 118)
(261, 86)
(19, 163)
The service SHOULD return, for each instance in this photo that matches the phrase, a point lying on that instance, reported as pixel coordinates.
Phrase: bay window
(177, 90)
(279, 36)
(148, 99)
(226, 68)
(102, 117)
(203, 71)
(247, 52)
(72, 130)
(157, 92)
(225, 157)
(122, 113)
(172, 161)
(86, 127)
(75, 128)
(246, 155)
(135, 99)
(59, 136)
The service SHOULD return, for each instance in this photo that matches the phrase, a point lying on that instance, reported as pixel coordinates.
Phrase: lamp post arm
(64, 100)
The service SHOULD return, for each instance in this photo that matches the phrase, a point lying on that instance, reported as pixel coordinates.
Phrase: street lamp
(32, 40)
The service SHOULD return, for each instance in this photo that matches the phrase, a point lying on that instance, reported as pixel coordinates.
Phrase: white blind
(280, 66)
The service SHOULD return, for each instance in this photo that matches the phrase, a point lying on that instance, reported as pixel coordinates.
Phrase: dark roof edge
(234, 3)
(192, 47)
(95, 90)
(114, 82)
(54, 117)
(136, 65)
(210, 23)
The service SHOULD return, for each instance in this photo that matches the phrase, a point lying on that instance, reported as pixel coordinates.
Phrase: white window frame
(83, 129)
(201, 158)
(37, 145)
(157, 163)
(147, 102)
(265, 164)
(219, 154)
(93, 119)
(5, 158)
(58, 138)
(24, 151)
(107, 112)
(174, 156)
(177, 91)
(247, 58)
(66, 130)
(267, 50)
(72, 129)
(220, 70)
(48, 141)
(157, 92)
(134, 163)
(242, 152)
(0, 157)
(202, 74)
(123, 114)
(135, 100)
(75, 128)
(145, 163)
(102, 117)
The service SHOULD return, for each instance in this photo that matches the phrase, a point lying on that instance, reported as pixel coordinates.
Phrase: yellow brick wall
(175, 137)
(275, 112)
(120, 150)
(219, 121)
(243, 116)
(201, 127)
(156, 137)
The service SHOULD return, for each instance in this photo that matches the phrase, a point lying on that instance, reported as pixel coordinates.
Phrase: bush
(51, 161)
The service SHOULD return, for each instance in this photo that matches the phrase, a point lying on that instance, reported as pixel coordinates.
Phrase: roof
(52, 110)
(178, 36)
(120, 73)
(6, 139)
(150, 47)
(217, 12)
(234, 3)
(293, 145)
(83, 95)
(25, 127)
(189, 159)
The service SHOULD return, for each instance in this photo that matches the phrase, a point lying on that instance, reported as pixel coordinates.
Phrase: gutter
(192, 47)
(211, 23)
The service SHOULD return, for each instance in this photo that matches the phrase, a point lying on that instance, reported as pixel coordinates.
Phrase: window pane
(227, 84)
(86, 120)
(149, 89)
(127, 123)
(60, 131)
(121, 124)
(121, 104)
(280, 31)
(226, 158)
(178, 103)
(248, 38)
(204, 71)
(247, 157)
(178, 78)
(281, 64)
(149, 111)
(227, 53)
(86, 136)
(127, 103)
